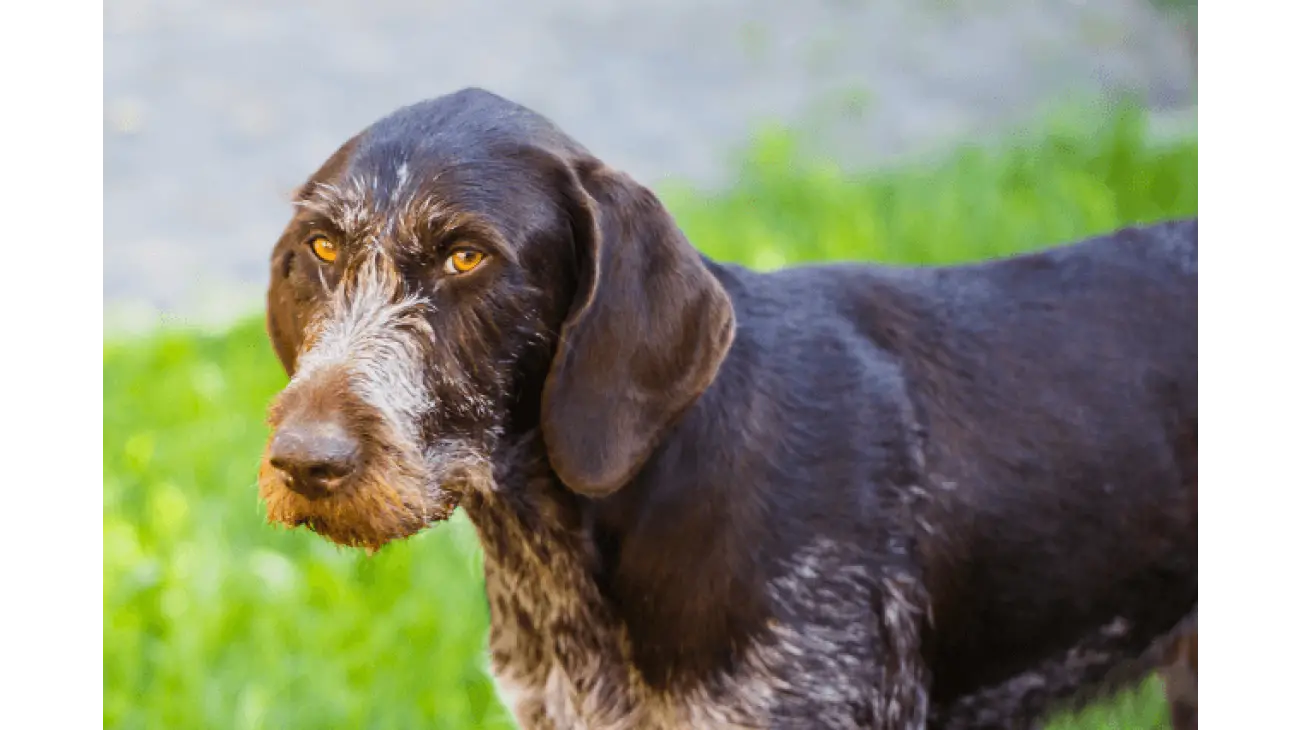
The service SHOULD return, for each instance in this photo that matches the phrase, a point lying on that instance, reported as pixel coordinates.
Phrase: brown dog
(830, 496)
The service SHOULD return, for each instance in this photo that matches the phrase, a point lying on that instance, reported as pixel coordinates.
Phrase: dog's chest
(562, 656)
(560, 662)
(553, 695)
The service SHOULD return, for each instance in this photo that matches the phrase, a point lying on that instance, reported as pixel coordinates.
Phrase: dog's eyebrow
(451, 226)
(305, 192)
(317, 191)
(347, 205)
(308, 197)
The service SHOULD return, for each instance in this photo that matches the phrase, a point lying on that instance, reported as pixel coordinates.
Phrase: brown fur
(837, 496)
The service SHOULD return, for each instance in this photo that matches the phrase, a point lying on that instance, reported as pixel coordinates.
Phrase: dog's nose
(314, 456)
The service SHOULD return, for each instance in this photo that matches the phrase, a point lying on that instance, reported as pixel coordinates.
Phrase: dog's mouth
(388, 501)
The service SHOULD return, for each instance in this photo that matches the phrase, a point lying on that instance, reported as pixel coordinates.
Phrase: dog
(835, 496)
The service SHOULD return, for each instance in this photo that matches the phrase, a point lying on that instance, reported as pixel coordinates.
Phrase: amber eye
(324, 249)
(463, 260)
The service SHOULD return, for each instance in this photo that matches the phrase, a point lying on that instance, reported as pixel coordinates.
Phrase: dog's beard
(394, 498)
(368, 358)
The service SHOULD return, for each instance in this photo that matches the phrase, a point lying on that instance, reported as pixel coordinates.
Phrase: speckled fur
(561, 656)
(839, 496)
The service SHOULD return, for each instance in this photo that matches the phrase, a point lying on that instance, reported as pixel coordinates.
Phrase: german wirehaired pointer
(834, 496)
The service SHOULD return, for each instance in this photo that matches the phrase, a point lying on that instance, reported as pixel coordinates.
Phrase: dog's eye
(324, 249)
(463, 260)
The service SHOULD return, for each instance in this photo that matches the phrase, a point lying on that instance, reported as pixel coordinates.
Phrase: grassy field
(212, 619)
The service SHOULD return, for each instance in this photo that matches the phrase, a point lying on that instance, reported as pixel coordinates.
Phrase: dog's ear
(648, 328)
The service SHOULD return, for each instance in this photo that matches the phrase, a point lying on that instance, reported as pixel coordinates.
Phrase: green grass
(213, 619)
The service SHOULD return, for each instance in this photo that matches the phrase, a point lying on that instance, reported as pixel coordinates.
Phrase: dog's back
(1054, 396)
(1058, 396)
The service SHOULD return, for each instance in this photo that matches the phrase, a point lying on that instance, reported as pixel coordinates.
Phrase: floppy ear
(648, 328)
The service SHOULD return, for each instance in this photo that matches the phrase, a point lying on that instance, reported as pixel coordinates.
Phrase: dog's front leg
(525, 701)
(852, 656)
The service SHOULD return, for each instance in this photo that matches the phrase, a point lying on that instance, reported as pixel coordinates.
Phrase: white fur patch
(355, 206)
(370, 329)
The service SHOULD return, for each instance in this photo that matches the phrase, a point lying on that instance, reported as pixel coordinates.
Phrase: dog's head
(459, 271)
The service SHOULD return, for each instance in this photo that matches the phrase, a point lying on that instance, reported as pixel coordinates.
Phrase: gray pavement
(215, 109)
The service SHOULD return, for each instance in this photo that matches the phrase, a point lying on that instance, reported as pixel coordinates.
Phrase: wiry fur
(839, 496)
(366, 353)
(838, 651)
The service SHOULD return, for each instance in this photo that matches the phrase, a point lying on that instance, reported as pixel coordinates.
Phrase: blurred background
(919, 131)
(214, 111)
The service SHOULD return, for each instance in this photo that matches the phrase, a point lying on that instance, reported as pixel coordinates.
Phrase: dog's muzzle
(314, 457)
(336, 465)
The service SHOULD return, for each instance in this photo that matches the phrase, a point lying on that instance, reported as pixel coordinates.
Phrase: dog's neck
(529, 526)
(541, 569)
(560, 567)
